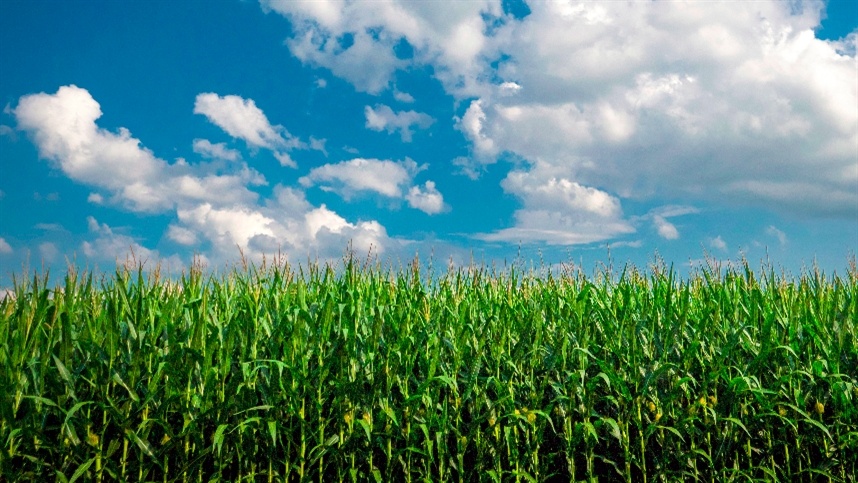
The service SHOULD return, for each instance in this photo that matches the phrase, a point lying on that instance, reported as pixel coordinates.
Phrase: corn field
(277, 373)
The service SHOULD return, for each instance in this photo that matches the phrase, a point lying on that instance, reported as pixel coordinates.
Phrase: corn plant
(361, 373)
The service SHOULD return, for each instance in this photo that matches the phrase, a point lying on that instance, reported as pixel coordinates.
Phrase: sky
(492, 132)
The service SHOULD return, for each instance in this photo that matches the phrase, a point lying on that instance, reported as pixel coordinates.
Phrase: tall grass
(275, 373)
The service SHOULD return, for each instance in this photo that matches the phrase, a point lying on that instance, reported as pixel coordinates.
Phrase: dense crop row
(268, 374)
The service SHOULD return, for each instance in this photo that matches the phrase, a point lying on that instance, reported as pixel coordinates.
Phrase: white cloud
(212, 209)
(384, 118)
(363, 63)
(508, 88)
(471, 124)
(5, 248)
(63, 127)
(559, 211)
(182, 235)
(453, 38)
(241, 119)
(664, 228)
(227, 226)
(426, 199)
(318, 145)
(773, 231)
(109, 246)
(718, 243)
(48, 252)
(392, 179)
(205, 148)
(403, 96)
(349, 177)
(285, 160)
(95, 198)
(749, 106)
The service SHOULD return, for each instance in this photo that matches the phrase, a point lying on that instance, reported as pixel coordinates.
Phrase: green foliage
(272, 374)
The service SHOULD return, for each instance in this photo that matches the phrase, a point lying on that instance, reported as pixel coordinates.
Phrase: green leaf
(272, 430)
(738, 423)
(65, 375)
(365, 427)
(81, 469)
(144, 446)
(118, 380)
(219, 437)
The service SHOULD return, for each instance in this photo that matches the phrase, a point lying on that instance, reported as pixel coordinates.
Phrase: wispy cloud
(383, 118)
(207, 149)
(718, 243)
(5, 248)
(779, 235)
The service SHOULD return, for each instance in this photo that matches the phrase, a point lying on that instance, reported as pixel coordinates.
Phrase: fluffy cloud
(426, 199)
(749, 107)
(357, 40)
(559, 211)
(391, 179)
(241, 119)
(214, 211)
(384, 118)
(63, 127)
(665, 229)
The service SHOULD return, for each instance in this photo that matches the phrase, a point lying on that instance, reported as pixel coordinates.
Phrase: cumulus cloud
(212, 209)
(426, 199)
(749, 107)
(382, 117)
(182, 235)
(357, 40)
(205, 148)
(392, 179)
(472, 125)
(63, 127)
(559, 211)
(241, 119)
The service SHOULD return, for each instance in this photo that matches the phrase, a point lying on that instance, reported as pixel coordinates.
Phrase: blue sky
(492, 131)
